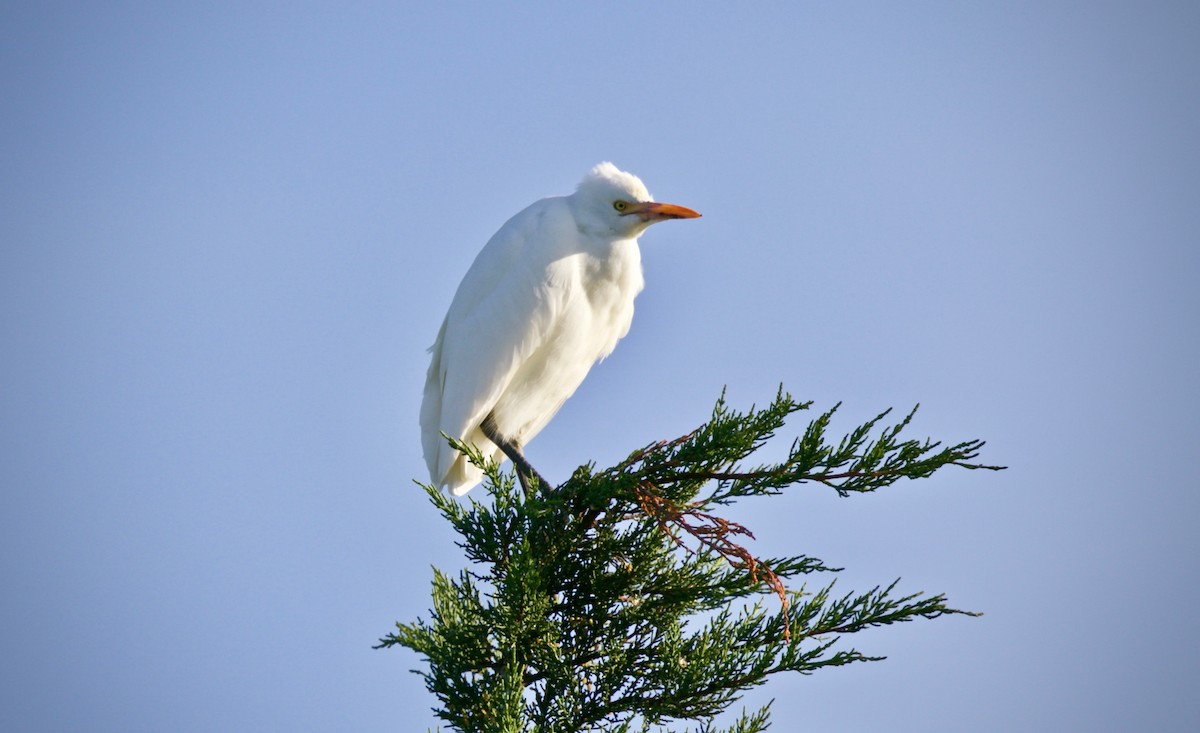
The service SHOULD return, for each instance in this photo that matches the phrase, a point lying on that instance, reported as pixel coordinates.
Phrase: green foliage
(620, 602)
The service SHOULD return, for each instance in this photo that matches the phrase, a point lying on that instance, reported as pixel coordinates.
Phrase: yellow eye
(620, 205)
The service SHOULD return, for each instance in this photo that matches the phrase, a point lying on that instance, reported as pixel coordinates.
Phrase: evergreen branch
(609, 602)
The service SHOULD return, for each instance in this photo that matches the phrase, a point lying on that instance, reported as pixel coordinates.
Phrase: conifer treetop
(623, 601)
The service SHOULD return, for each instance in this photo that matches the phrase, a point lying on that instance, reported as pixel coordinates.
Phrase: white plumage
(549, 295)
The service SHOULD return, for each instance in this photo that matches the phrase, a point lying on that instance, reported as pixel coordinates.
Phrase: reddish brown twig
(712, 532)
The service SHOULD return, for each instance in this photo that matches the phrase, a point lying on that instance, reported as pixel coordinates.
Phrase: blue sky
(228, 236)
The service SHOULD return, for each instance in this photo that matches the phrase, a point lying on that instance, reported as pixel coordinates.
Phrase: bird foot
(528, 479)
(525, 472)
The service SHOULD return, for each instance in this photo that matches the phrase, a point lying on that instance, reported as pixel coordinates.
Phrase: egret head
(613, 201)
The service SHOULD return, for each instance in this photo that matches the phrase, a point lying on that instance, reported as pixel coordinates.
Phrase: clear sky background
(229, 235)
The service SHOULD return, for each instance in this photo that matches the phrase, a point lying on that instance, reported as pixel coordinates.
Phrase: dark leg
(525, 472)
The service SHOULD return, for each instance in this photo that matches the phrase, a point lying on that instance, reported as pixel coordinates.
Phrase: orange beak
(654, 211)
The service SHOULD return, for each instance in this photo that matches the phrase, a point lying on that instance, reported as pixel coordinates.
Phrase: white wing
(500, 315)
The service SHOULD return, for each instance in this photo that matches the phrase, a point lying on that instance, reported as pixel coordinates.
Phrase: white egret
(549, 295)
